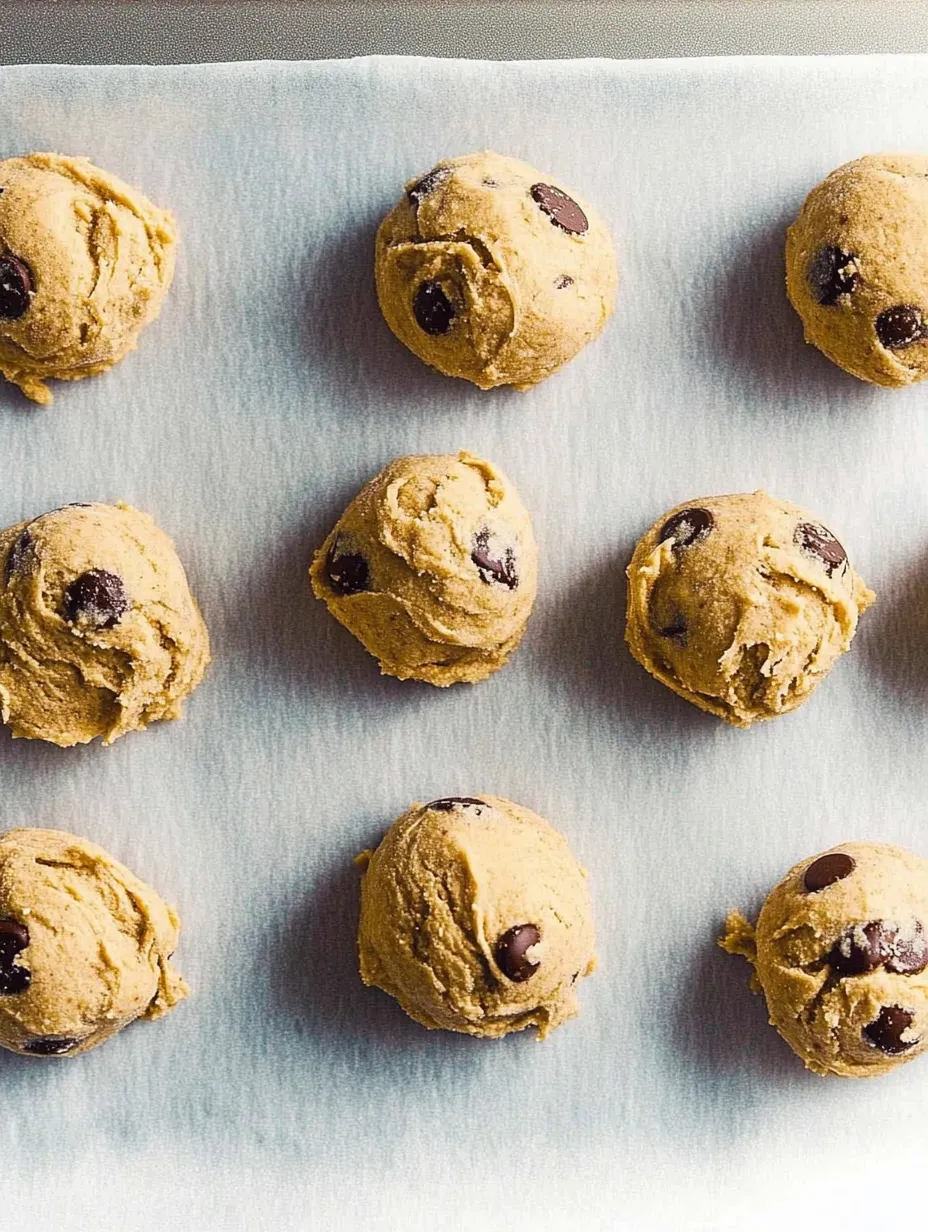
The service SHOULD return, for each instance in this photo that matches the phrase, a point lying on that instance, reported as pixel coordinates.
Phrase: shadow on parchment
(892, 639)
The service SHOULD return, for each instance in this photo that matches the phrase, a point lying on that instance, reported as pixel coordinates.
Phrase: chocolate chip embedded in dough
(50, 1045)
(427, 185)
(687, 527)
(827, 869)
(15, 287)
(832, 273)
(818, 541)
(97, 599)
(348, 573)
(14, 938)
(899, 326)
(563, 211)
(888, 1028)
(493, 564)
(511, 954)
(432, 309)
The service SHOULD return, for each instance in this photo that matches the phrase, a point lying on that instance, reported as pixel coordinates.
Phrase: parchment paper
(284, 1095)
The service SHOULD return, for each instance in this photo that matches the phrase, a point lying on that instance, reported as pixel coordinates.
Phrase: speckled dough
(433, 568)
(99, 634)
(85, 262)
(488, 271)
(857, 267)
(84, 945)
(476, 918)
(741, 604)
(840, 950)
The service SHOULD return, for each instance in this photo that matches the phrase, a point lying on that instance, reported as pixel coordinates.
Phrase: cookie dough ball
(857, 267)
(489, 271)
(476, 918)
(433, 568)
(85, 262)
(84, 945)
(99, 634)
(741, 604)
(839, 951)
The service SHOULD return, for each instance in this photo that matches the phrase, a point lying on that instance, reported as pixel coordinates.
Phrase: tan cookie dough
(487, 270)
(741, 604)
(857, 267)
(99, 633)
(476, 918)
(85, 262)
(433, 568)
(840, 950)
(84, 945)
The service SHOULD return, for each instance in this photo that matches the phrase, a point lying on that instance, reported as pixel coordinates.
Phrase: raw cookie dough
(488, 271)
(476, 918)
(85, 262)
(433, 568)
(839, 951)
(857, 267)
(84, 945)
(99, 634)
(741, 604)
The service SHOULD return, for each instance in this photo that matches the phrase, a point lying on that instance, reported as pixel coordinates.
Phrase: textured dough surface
(101, 259)
(526, 293)
(448, 881)
(99, 941)
(821, 1013)
(858, 249)
(748, 618)
(433, 567)
(68, 678)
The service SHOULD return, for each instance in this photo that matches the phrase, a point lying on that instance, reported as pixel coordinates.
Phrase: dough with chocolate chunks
(840, 951)
(741, 604)
(99, 633)
(84, 945)
(476, 917)
(857, 267)
(85, 263)
(488, 270)
(433, 568)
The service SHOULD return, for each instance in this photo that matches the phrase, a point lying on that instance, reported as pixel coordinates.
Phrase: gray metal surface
(146, 32)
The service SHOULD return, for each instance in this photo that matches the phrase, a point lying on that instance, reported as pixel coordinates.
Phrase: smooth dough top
(476, 918)
(857, 267)
(489, 271)
(92, 261)
(97, 945)
(99, 633)
(741, 604)
(433, 567)
(840, 951)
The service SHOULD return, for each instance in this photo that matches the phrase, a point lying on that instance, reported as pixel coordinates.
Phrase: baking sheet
(284, 1094)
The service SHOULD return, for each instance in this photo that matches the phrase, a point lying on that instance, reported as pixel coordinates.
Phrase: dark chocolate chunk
(50, 1045)
(828, 869)
(347, 573)
(432, 309)
(832, 272)
(888, 1028)
(676, 630)
(910, 952)
(510, 952)
(562, 281)
(687, 527)
(818, 541)
(18, 557)
(97, 599)
(561, 209)
(899, 326)
(435, 178)
(862, 948)
(447, 803)
(492, 564)
(14, 937)
(489, 182)
(15, 287)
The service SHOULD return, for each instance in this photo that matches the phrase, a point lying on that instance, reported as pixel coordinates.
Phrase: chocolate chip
(899, 326)
(432, 309)
(818, 541)
(687, 527)
(887, 1030)
(422, 188)
(510, 952)
(14, 937)
(347, 573)
(489, 182)
(493, 565)
(447, 803)
(561, 209)
(15, 287)
(910, 952)
(50, 1045)
(832, 272)
(562, 281)
(97, 598)
(18, 556)
(828, 869)
(676, 630)
(862, 948)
